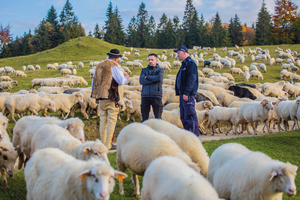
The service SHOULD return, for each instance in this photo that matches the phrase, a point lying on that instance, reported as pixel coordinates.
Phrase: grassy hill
(284, 146)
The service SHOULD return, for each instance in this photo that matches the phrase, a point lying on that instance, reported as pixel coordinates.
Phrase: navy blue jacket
(188, 79)
(152, 78)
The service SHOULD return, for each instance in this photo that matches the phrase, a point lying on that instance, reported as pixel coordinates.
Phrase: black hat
(182, 48)
(114, 53)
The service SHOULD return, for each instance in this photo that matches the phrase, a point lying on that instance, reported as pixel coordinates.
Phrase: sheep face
(79, 97)
(100, 180)
(128, 104)
(268, 104)
(51, 106)
(283, 179)
(8, 158)
(97, 150)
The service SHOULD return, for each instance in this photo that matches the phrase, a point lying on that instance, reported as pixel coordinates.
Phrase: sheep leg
(235, 129)
(67, 114)
(267, 124)
(231, 126)
(3, 177)
(12, 114)
(286, 125)
(21, 160)
(279, 124)
(74, 108)
(44, 113)
(246, 124)
(218, 124)
(136, 185)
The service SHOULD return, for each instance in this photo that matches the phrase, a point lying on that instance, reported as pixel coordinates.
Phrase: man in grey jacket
(152, 78)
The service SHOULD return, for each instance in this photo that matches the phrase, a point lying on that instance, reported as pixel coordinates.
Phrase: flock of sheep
(81, 168)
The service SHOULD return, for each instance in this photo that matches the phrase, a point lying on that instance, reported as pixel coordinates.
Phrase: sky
(23, 15)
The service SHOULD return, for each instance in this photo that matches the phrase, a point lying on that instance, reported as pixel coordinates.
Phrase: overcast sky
(23, 15)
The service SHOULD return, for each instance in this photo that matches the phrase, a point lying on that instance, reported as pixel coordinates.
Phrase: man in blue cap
(186, 86)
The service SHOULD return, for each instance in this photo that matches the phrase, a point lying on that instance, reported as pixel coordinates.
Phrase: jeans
(156, 106)
(188, 114)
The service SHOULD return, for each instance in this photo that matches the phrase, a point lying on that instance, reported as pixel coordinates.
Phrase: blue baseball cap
(182, 48)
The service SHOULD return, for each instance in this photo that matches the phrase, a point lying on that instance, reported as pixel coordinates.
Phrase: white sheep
(247, 76)
(291, 89)
(284, 73)
(134, 110)
(222, 115)
(38, 67)
(8, 85)
(216, 90)
(263, 67)
(159, 179)
(49, 89)
(30, 68)
(226, 99)
(20, 74)
(50, 66)
(294, 77)
(287, 110)
(50, 169)
(25, 128)
(203, 105)
(80, 65)
(254, 112)
(272, 61)
(23, 67)
(263, 177)
(256, 73)
(236, 71)
(137, 149)
(22, 103)
(186, 140)
(5, 78)
(228, 76)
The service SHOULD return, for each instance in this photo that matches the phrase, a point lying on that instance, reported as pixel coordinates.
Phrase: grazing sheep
(263, 67)
(127, 70)
(284, 73)
(92, 179)
(8, 85)
(159, 179)
(22, 103)
(186, 140)
(279, 60)
(30, 68)
(91, 73)
(5, 78)
(25, 128)
(291, 89)
(38, 67)
(63, 102)
(137, 149)
(272, 61)
(294, 77)
(23, 67)
(49, 89)
(20, 74)
(263, 177)
(228, 76)
(254, 112)
(256, 73)
(50, 66)
(134, 110)
(65, 71)
(80, 65)
(236, 71)
(52, 82)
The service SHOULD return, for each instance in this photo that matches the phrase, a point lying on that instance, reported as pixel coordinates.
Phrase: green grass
(283, 146)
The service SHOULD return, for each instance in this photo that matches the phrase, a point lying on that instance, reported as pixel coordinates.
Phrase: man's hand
(126, 75)
(186, 98)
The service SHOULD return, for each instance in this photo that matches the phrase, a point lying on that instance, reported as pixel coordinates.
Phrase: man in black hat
(186, 86)
(108, 76)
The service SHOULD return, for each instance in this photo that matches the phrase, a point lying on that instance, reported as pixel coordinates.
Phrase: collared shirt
(117, 75)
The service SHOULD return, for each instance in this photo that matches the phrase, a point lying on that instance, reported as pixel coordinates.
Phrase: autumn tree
(5, 36)
(285, 14)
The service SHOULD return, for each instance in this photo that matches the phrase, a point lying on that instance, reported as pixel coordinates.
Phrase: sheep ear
(206, 104)
(263, 102)
(84, 174)
(87, 149)
(119, 175)
(207, 112)
(273, 175)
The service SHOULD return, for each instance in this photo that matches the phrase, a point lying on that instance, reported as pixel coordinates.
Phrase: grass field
(284, 146)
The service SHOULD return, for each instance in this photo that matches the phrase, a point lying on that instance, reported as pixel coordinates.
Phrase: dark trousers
(188, 114)
(156, 106)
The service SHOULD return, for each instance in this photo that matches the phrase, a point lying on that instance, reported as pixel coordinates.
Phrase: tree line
(51, 31)
(142, 31)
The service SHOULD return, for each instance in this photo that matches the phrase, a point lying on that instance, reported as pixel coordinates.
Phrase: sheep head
(267, 103)
(283, 179)
(8, 158)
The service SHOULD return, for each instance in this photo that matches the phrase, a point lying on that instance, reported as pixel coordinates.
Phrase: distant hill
(79, 49)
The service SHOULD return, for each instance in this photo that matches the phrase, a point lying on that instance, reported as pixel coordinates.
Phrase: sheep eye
(3, 124)
(96, 179)
(95, 153)
(5, 157)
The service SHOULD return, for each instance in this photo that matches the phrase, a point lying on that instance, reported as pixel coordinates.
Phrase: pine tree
(25, 47)
(218, 35)
(151, 39)
(296, 30)
(263, 30)
(201, 27)
(97, 31)
(161, 32)
(41, 40)
(132, 33)
(120, 35)
(142, 22)
(188, 19)
(235, 31)
(14, 47)
(66, 14)
(193, 32)
(53, 20)
(178, 32)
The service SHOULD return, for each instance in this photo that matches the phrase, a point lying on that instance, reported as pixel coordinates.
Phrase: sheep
(165, 65)
(129, 64)
(216, 64)
(256, 73)
(291, 89)
(272, 61)
(52, 135)
(80, 79)
(226, 99)
(134, 110)
(254, 112)
(25, 128)
(279, 60)
(207, 70)
(65, 71)
(80, 65)
(150, 144)
(236, 71)
(30, 68)
(263, 177)
(287, 110)
(273, 91)
(285, 66)
(5, 78)
(228, 76)
(294, 68)
(247, 76)
(44, 182)
(203, 105)
(194, 149)
(176, 63)
(38, 67)
(20, 74)
(23, 67)
(48, 89)
(222, 115)
(159, 179)
(263, 67)
(208, 95)
(91, 73)
(26, 102)
(127, 70)
(52, 82)
(216, 90)
(63, 102)
(284, 73)
(8, 85)
(294, 77)
(255, 92)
